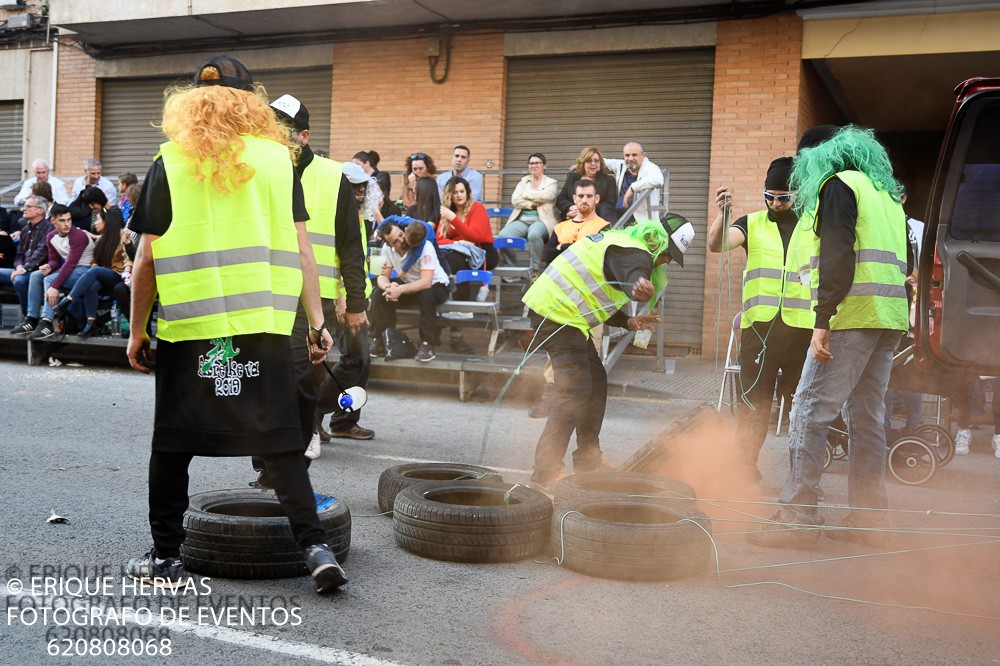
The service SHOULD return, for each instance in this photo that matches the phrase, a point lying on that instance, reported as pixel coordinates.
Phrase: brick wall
(78, 112)
(384, 99)
(755, 118)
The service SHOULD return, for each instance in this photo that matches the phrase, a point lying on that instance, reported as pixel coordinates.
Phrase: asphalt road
(75, 442)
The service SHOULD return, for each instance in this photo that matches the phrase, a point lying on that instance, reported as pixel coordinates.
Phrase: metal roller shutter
(11, 140)
(131, 108)
(558, 105)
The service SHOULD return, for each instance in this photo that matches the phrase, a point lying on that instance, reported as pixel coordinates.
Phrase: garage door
(558, 105)
(11, 138)
(131, 109)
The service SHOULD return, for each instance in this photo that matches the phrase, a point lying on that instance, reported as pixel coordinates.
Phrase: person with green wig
(851, 248)
(584, 287)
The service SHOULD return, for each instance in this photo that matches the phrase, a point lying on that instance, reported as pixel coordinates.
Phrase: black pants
(384, 312)
(766, 348)
(581, 396)
(353, 369)
(458, 261)
(168, 498)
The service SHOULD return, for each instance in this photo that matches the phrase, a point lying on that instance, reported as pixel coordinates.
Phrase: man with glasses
(32, 252)
(460, 167)
(777, 320)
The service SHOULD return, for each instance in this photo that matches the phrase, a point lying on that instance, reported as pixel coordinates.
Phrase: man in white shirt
(92, 171)
(420, 281)
(43, 173)
(634, 174)
(460, 167)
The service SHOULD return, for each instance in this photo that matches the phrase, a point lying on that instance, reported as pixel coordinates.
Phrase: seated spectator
(590, 165)
(425, 285)
(8, 248)
(70, 253)
(43, 189)
(534, 214)
(460, 168)
(125, 181)
(82, 209)
(111, 264)
(427, 206)
(464, 233)
(92, 177)
(418, 165)
(584, 222)
(32, 252)
(43, 174)
(131, 197)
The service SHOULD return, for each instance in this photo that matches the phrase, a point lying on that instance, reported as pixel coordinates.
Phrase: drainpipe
(52, 118)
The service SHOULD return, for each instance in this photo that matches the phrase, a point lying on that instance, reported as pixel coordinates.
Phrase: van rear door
(959, 283)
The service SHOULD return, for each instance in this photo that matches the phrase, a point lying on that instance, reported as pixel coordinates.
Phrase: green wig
(851, 148)
(654, 236)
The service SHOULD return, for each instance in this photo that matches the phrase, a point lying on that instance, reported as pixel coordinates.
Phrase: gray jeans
(855, 380)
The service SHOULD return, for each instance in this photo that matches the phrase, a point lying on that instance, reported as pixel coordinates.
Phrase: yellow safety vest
(321, 187)
(573, 290)
(771, 280)
(229, 263)
(877, 298)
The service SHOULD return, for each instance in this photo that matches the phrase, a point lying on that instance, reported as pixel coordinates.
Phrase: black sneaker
(324, 569)
(376, 348)
(45, 330)
(168, 574)
(26, 326)
(425, 352)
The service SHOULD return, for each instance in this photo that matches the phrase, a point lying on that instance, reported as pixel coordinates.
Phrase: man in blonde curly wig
(224, 246)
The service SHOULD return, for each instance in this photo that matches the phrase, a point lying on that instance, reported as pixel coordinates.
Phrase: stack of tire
(244, 533)
(464, 513)
(629, 526)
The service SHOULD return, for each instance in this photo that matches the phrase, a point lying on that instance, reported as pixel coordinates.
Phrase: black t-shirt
(154, 212)
(785, 220)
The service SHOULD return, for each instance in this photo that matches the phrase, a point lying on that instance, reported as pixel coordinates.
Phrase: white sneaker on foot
(996, 445)
(962, 440)
(313, 451)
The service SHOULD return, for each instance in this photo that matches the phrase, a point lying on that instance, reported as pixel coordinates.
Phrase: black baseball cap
(223, 71)
(292, 109)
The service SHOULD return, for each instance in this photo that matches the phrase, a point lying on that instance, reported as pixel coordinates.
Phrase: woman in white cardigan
(534, 214)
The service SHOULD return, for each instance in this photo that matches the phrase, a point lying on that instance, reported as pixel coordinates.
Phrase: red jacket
(475, 228)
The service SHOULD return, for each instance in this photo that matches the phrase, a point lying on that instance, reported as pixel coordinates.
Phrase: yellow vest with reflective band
(229, 263)
(573, 290)
(771, 280)
(364, 244)
(321, 187)
(877, 298)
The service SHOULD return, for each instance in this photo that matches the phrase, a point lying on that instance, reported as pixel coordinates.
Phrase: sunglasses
(418, 156)
(780, 198)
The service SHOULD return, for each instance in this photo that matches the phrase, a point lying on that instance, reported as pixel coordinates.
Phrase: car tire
(244, 533)
(395, 479)
(472, 521)
(622, 485)
(632, 539)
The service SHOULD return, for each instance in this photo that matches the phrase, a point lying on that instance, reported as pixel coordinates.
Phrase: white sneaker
(996, 446)
(962, 442)
(457, 315)
(313, 451)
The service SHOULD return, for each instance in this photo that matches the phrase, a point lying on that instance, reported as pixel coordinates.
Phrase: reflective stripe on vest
(877, 297)
(767, 287)
(229, 262)
(573, 289)
(321, 187)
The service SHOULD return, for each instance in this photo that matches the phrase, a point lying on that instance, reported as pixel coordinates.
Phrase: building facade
(712, 93)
